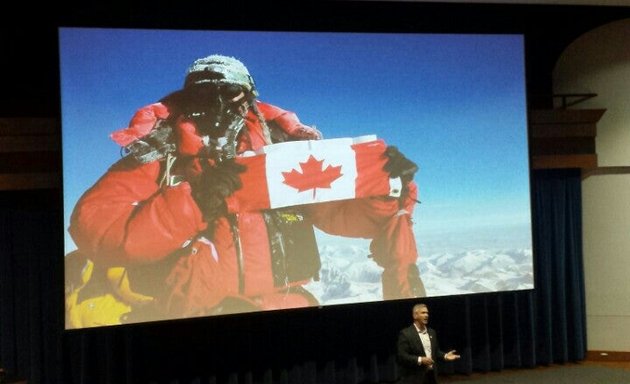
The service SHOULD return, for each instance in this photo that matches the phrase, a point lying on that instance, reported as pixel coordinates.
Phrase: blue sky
(455, 104)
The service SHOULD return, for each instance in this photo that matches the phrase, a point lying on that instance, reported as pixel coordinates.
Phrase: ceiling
(625, 3)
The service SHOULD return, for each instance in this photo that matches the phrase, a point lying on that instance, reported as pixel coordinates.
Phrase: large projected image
(210, 173)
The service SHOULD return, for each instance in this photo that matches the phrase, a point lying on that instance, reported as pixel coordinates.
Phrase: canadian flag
(313, 171)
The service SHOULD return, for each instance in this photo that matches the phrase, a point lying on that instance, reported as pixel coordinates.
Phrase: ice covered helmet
(218, 93)
(220, 70)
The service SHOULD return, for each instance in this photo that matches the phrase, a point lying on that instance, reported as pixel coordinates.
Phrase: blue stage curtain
(339, 344)
(31, 286)
(559, 267)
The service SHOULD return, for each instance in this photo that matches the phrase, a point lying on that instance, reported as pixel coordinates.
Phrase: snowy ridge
(349, 275)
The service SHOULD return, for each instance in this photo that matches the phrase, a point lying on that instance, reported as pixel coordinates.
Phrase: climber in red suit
(160, 211)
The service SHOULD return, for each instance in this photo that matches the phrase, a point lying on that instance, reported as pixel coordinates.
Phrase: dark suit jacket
(409, 347)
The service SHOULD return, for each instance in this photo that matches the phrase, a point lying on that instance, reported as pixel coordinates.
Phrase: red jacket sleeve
(363, 218)
(388, 223)
(287, 121)
(127, 218)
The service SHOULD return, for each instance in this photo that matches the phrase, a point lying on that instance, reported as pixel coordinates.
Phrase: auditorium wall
(599, 62)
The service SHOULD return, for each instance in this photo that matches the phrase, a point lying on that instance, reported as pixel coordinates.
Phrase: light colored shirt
(426, 344)
(426, 341)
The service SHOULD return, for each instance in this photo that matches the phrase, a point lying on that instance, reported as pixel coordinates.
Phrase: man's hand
(451, 355)
(398, 165)
(214, 184)
(426, 361)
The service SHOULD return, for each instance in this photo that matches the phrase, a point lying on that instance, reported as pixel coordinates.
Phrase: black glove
(215, 184)
(398, 165)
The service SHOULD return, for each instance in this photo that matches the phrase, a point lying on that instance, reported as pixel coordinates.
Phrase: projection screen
(275, 190)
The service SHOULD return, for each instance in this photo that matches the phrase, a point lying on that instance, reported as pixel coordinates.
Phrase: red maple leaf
(312, 175)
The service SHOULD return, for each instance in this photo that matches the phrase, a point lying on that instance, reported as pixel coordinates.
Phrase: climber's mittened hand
(398, 165)
(215, 184)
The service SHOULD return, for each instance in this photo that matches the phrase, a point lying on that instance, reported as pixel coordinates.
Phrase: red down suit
(158, 232)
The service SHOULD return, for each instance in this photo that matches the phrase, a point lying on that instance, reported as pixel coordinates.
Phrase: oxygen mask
(218, 111)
